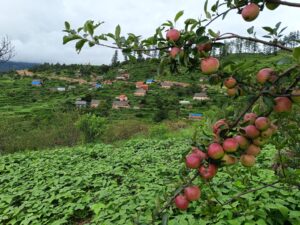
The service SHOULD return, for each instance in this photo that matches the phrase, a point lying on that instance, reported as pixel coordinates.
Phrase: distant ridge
(8, 66)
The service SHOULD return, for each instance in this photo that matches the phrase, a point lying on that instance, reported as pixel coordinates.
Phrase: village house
(61, 89)
(195, 116)
(200, 96)
(96, 85)
(108, 82)
(166, 84)
(138, 84)
(36, 83)
(150, 81)
(95, 103)
(140, 92)
(80, 104)
(122, 98)
(70, 87)
(120, 104)
(184, 102)
(124, 76)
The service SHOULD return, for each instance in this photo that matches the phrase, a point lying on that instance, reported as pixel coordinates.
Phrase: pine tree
(114, 60)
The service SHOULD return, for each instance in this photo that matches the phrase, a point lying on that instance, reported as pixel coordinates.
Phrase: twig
(232, 35)
(249, 191)
(284, 3)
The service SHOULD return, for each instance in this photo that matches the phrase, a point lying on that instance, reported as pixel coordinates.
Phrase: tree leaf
(178, 15)
(117, 32)
(296, 53)
(80, 44)
(67, 25)
(250, 30)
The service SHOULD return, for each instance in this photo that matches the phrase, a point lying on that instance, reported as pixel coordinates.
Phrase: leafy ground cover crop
(101, 184)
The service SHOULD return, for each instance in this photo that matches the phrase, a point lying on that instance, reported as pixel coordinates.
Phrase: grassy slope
(105, 185)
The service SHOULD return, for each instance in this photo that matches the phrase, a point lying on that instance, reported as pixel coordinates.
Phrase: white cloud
(35, 26)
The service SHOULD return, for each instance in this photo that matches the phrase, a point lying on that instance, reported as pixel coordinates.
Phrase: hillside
(10, 65)
(102, 184)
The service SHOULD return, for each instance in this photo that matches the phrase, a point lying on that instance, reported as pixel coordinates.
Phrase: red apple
(232, 92)
(215, 151)
(228, 160)
(263, 75)
(230, 145)
(296, 99)
(251, 131)
(230, 82)
(208, 172)
(192, 161)
(202, 155)
(262, 123)
(247, 160)
(253, 150)
(174, 51)
(204, 47)
(242, 141)
(181, 202)
(282, 104)
(217, 127)
(250, 12)
(250, 117)
(173, 35)
(192, 193)
(209, 65)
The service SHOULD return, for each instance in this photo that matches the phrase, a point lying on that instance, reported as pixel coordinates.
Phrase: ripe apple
(173, 35)
(215, 151)
(263, 75)
(267, 133)
(192, 161)
(209, 65)
(232, 91)
(250, 117)
(259, 141)
(296, 99)
(253, 150)
(208, 172)
(217, 127)
(228, 160)
(242, 141)
(181, 202)
(230, 145)
(247, 160)
(192, 193)
(202, 155)
(174, 51)
(204, 47)
(262, 123)
(250, 12)
(230, 82)
(251, 131)
(282, 104)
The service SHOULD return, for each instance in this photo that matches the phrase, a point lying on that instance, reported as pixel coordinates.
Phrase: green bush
(91, 126)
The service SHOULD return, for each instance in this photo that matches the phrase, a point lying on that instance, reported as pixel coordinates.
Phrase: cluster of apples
(282, 104)
(251, 11)
(208, 65)
(231, 84)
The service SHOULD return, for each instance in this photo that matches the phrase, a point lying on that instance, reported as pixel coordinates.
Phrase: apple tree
(268, 114)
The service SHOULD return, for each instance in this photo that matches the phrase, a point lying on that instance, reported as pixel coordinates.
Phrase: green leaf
(69, 38)
(296, 53)
(80, 44)
(178, 15)
(67, 25)
(212, 33)
(165, 219)
(117, 32)
(250, 30)
(90, 28)
(269, 29)
(97, 207)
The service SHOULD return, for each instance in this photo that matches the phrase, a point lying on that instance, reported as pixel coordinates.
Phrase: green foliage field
(105, 185)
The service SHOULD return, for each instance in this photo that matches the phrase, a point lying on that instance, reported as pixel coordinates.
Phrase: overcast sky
(35, 26)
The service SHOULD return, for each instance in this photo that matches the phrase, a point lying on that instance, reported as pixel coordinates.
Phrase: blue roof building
(98, 85)
(195, 116)
(150, 81)
(36, 83)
